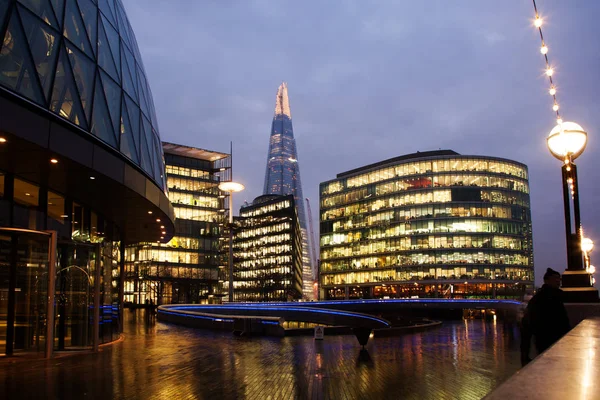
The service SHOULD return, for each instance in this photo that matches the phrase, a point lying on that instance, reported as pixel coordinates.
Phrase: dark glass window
(466, 194)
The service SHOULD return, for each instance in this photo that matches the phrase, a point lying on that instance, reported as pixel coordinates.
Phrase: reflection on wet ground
(461, 359)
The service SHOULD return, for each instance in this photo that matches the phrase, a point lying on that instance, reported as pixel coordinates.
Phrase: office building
(267, 251)
(190, 267)
(429, 224)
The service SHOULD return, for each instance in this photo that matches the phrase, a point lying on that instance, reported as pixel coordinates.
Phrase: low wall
(570, 369)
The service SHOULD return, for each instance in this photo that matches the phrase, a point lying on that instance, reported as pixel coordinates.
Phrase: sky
(371, 80)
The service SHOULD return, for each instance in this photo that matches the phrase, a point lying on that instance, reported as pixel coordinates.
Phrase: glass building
(429, 224)
(81, 171)
(267, 251)
(283, 175)
(189, 268)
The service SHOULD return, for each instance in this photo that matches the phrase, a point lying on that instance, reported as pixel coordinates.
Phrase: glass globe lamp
(567, 140)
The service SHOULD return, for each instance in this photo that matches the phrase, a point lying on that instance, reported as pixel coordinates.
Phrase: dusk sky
(371, 80)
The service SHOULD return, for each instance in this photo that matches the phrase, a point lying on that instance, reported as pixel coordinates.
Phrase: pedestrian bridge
(379, 305)
(266, 318)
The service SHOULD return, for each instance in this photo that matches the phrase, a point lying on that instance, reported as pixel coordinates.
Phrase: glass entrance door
(24, 267)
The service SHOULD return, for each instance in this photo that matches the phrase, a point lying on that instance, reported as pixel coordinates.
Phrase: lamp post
(566, 142)
(231, 187)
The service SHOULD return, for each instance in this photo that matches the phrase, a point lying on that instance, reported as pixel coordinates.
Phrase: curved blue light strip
(376, 301)
(215, 319)
(269, 307)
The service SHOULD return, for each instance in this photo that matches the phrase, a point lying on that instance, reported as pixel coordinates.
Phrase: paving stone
(460, 360)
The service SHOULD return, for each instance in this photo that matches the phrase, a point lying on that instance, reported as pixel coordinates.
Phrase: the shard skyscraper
(283, 175)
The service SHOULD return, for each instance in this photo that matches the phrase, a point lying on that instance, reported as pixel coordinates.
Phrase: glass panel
(105, 58)
(123, 25)
(127, 142)
(31, 293)
(83, 72)
(113, 41)
(43, 43)
(89, 14)
(59, 6)
(74, 28)
(107, 7)
(109, 287)
(134, 119)
(17, 69)
(101, 122)
(143, 96)
(158, 160)
(42, 9)
(65, 99)
(26, 193)
(144, 151)
(5, 248)
(112, 91)
(128, 82)
(56, 207)
(3, 9)
(74, 296)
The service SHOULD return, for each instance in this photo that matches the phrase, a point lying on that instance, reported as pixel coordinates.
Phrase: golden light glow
(567, 141)
(587, 245)
(538, 22)
(231, 186)
(555, 107)
(2, 140)
(157, 219)
(150, 212)
(54, 161)
(544, 49)
(549, 71)
(592, 269)
(552, 92)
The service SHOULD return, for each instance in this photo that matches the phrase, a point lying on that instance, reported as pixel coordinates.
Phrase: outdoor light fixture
(2, 140)
(92, 177)
(567, 140)
(231, 187)
(54, 161)
(150, 212)
(587, 245)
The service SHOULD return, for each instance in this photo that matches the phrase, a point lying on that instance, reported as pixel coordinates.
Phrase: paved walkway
(460, 360)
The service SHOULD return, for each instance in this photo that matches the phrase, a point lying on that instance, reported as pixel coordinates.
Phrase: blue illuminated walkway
(462, 359)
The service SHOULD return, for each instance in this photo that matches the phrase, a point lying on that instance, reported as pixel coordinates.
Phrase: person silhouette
(545, 318)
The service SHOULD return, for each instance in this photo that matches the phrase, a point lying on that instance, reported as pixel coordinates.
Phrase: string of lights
(538, 22)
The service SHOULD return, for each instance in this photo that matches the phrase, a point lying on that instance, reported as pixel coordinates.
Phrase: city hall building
(429, 224)
(81, 172)
(267, 250)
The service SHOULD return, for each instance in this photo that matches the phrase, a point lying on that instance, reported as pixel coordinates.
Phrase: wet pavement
(459, 360)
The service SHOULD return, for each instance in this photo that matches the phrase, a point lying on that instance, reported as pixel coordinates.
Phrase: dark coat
(545, 319)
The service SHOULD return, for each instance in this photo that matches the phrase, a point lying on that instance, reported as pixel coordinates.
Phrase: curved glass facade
(80, 60)
(427, 224)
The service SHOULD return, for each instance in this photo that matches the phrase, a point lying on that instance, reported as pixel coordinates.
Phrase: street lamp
(231, 187)
(566, 142)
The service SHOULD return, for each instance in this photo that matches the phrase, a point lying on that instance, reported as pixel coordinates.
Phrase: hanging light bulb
(549, 71)
(552, 90)
(544, 49)
(555, 107)
(538, 22)
(559, 121)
